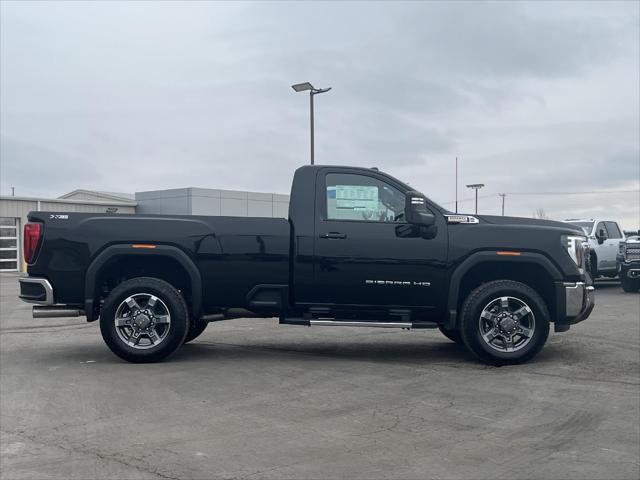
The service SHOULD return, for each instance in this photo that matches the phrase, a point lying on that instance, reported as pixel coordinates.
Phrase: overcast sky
(129, 96)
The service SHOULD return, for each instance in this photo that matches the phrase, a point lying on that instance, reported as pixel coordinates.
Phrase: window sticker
(356, 197)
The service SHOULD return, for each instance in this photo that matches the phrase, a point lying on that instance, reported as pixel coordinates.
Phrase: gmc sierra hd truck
(628, 263)
(359, 248)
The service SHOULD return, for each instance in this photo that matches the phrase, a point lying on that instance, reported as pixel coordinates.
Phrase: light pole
(502, 195)
(303, 87)
(476, 187)
(456, 184)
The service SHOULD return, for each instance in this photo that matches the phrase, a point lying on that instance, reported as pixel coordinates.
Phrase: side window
(362, 198)
(601, 226)
(614, 231)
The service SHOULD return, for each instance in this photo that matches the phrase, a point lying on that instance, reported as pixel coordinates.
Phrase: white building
(207, 201)
(180, 201)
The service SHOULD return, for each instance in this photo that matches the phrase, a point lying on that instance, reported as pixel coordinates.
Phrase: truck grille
(632, 252)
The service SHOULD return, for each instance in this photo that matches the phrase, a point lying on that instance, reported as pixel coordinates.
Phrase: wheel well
(531, 274)
(593, 260)
(124, 267)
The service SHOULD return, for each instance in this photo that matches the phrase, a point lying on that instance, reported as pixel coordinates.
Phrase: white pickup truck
(604, 237)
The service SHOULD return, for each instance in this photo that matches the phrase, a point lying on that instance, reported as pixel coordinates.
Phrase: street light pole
(476, 187)
(477, 201)
(456, 184)
(502, 195)
(312, 129)
(303, 87)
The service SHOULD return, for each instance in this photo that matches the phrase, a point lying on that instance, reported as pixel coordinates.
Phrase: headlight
(621, 248)
(575, 246)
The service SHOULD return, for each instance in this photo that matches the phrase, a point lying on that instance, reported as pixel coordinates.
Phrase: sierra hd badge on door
(403, 283)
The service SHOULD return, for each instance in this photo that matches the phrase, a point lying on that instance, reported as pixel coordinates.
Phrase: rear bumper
(39, 291)
(36, 290)
(579, 300)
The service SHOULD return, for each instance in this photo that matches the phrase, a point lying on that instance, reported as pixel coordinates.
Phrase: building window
(9, 244)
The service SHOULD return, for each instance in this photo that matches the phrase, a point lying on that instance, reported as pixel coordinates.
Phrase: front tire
(144, 320)
(629, 285)
(504, 322)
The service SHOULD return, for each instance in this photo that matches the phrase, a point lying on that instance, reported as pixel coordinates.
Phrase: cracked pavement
(250, 399)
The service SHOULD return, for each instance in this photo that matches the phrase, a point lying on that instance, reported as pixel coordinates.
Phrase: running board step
(352, 323)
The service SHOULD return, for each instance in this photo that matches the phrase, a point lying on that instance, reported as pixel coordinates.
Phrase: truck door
(613, 242)
(365, 254)
(606, 252)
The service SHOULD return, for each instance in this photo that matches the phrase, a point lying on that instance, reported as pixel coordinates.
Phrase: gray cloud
(135, 96)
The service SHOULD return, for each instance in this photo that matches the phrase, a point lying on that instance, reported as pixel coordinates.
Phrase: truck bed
(233, 253)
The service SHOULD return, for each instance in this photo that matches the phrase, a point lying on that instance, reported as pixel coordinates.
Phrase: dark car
(360, 248)
(628, 262)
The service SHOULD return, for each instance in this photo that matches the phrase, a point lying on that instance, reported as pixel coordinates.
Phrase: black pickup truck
(359, 248)
(628, 263)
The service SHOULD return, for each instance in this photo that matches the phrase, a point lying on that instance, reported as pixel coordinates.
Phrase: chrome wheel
(142, 321)
(507, 324)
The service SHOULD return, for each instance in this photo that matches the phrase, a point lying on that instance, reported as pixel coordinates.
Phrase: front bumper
(628, 269)
(579, 300)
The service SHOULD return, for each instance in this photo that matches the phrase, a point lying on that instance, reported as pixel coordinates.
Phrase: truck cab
(365, 255)
(604, 237)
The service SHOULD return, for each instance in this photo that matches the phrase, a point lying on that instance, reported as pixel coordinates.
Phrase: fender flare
(485, 257)
(121, 250)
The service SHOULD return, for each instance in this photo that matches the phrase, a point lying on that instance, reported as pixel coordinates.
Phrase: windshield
(585, 226)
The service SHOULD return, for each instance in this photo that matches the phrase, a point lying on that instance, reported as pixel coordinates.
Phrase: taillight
(32, 233)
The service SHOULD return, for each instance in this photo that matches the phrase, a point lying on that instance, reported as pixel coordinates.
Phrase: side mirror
(415, 210)
(601, 236)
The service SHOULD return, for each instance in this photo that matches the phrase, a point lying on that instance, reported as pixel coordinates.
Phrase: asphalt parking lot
(251, 399)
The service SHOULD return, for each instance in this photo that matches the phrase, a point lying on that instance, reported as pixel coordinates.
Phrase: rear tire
(453, 335)
(630, 285)
(144, 320)
(504, 322)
